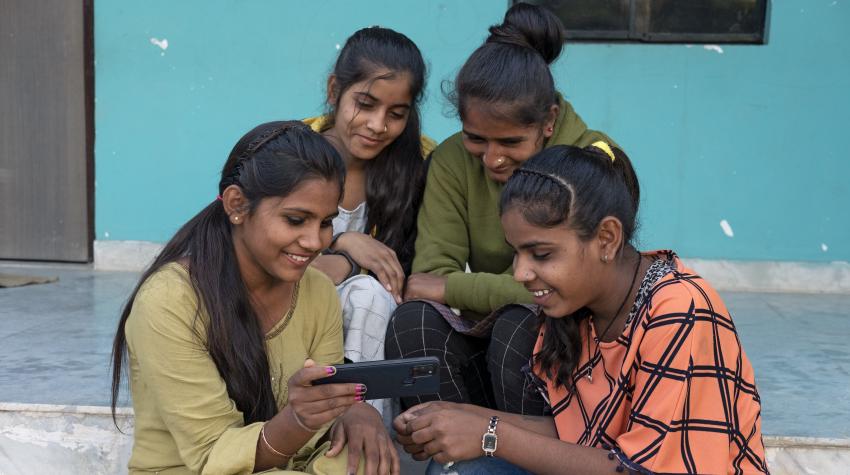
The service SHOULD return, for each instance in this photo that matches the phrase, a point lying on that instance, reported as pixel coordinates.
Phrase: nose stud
(500, 161)
(386, 128)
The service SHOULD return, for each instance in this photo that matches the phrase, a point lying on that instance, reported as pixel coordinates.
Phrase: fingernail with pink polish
(361, 389)
(359, 398)
(330, 370)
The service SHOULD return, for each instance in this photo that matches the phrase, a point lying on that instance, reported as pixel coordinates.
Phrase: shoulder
(428, 145)
(166, 303)
(317, 292)
(572, 130)
(316, 123)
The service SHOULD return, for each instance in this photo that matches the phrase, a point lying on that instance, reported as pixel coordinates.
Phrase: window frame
(639, 20)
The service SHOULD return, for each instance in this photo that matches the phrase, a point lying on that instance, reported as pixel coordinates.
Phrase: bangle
(301, 424)
(333, 239)
(355, 267)
(267, 444)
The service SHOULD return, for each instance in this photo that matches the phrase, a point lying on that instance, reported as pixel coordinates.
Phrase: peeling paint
(162, 43)
(824, 247)
(727, 228)
(337, 46)
(713, 48)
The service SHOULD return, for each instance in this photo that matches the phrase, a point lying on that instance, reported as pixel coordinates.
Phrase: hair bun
(533, 27)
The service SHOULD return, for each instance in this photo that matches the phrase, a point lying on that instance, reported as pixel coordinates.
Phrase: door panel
(44, 148)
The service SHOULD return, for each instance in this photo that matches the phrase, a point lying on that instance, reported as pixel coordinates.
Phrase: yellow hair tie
(605, 148)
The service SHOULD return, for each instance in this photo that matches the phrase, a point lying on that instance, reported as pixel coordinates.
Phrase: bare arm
(335, 267)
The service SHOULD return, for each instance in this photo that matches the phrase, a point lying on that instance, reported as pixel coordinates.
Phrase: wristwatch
(489, 441)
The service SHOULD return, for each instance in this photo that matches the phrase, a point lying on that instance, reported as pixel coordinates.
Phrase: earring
(549, 129)
(236, 219)
(605, 258)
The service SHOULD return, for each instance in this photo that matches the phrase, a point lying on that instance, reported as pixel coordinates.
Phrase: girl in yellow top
(229, 326)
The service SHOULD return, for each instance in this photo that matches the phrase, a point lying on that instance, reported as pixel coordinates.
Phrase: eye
(364, 105)
(540, 256)
(294, 220)
(474, 139)
(328, 223)
(398, 115)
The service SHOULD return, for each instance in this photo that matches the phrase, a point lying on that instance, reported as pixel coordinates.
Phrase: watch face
(488, 442)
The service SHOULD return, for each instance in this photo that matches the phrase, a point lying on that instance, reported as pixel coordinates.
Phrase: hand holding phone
(312, 406)
(390, 378)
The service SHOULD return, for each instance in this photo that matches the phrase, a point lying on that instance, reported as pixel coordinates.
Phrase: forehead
(480, 119)
(315, 196)
(391, 87)
(519, 232)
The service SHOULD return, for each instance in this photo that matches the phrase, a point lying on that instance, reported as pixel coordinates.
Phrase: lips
(369, 140)
(298, 259)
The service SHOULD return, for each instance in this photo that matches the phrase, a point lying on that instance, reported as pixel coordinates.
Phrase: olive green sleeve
(443, 244)
(180, 375)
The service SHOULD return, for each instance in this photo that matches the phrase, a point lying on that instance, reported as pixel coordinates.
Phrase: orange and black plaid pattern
(675, 393)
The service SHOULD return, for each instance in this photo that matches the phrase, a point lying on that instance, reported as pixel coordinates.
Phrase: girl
(373, 122)
(637, 356)
(228, 327)
(506, 99)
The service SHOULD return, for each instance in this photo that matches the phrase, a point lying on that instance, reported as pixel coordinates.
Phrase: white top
(350, 220)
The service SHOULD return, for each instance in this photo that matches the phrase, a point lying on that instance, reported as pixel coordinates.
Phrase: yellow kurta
(185, 421)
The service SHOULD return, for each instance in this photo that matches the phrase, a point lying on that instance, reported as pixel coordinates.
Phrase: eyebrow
(533, 244)
(373, 98)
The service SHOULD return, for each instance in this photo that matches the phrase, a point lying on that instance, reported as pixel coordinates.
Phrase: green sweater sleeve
(181, 381)
(443, 243)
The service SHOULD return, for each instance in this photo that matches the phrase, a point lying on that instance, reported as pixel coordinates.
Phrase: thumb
(337, 441)
(309, 363)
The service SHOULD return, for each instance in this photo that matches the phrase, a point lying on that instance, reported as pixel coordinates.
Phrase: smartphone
(390, 378)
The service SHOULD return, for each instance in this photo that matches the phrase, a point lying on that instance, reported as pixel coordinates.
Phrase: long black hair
(509, 74)
(395, 179)
(269, 161)
(578, 187)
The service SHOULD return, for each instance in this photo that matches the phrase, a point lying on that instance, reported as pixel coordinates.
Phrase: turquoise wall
(750, 135)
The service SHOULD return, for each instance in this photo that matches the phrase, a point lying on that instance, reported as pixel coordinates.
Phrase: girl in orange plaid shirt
(637, 356)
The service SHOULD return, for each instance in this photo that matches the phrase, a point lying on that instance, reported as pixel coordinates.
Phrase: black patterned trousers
(480, 371)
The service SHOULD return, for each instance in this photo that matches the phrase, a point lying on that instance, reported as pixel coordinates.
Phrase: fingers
(309, 373)
(389, 273)
(355, 451)
(337, 440)
(395, 462)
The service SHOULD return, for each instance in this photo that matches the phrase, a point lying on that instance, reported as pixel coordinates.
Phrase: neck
(617, 302)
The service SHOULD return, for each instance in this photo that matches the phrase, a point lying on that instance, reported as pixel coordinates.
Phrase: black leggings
(484, 372)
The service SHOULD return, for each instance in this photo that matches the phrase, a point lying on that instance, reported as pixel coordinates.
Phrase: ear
(235, 204)
(332, 90)
(609, 239)
(549, 123)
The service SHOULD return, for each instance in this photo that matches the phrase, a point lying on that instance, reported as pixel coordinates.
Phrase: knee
(414, 316)
(516, 328)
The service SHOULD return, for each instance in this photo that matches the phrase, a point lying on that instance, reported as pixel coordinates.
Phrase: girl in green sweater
(509, 108)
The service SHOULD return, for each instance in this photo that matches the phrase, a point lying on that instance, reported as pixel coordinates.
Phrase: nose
(377, 122)
(311, 239)
(522, 271)
(493, 157)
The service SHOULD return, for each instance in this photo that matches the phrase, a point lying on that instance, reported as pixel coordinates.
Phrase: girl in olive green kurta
(229, 327)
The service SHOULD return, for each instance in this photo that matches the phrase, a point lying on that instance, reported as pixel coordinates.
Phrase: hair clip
(605, 148)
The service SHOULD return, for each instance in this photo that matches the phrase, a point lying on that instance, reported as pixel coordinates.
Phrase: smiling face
(279, 239)
(502, 145)
(561, 271)
(370, 114)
